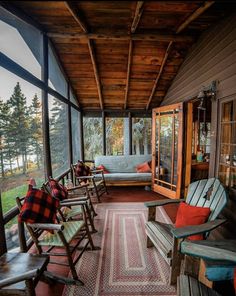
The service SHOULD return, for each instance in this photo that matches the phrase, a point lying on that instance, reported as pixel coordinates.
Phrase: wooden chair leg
(88, 213)
(176, 263)
(30, 288)
(96, 191)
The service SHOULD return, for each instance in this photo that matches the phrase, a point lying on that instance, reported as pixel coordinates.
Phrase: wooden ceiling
(122, 54)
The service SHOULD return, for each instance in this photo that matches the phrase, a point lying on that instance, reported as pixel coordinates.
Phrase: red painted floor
(116, 194)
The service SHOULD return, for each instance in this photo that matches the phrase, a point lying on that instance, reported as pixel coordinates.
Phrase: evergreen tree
(36, 139)
(6, 143)
(20, 124)
(58, 137)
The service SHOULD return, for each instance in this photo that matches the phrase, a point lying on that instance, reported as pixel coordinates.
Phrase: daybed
(122, 170)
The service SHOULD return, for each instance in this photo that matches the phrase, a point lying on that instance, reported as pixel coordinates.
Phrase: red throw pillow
(58, 190)
(38, 207)
(81, 169)
(101, 167)
(191, 215)
(143, 168)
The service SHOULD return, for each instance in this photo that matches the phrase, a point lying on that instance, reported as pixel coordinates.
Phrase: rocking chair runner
(62, 237)
(96, 182)
(166, 238)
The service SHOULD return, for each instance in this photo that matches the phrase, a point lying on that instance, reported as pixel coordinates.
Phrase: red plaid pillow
(58, 190)
(81, 169)
(38, 207)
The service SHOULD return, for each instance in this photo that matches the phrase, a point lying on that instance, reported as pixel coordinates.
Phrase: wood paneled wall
(213, 57)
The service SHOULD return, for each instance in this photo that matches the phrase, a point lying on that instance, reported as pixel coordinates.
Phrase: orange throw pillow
(143, 168)
(191, 215)
(101, 167)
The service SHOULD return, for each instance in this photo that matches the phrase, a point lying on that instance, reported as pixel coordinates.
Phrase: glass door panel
(167, 150)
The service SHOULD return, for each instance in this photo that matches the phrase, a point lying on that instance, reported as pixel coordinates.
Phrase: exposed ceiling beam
(159, 74)
(195, 15)
(146, 37)
(191, 18)
(76, 15)
(93, 59)
(128, 72)
(137, 16)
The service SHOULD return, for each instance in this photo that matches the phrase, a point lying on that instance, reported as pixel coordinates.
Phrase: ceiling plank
(195, 15)
(159, 74)
(191, 18)
(76, 15)
(137, 16)
(128, 72)
(145, 37)
(97, 78)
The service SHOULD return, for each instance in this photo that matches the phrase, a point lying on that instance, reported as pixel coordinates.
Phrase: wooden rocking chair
(61, 236)
(166, 238)
(70, 208)
(96, 182)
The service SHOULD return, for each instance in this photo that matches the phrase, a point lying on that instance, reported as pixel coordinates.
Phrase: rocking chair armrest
(96, 171)
(82, 198)
(18, 278)
(77, 187)
(73, 203)
(47, 226)
(186, 231)
(85, 177)
(157, 203)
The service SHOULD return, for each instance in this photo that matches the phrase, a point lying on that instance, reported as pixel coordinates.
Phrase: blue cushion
(219, 270)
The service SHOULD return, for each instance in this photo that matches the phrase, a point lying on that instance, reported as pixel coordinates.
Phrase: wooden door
(167, 145)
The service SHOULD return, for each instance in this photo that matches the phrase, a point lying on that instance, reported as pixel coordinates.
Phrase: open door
(167, 145)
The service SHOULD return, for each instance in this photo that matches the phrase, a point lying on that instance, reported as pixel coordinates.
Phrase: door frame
(157, 188)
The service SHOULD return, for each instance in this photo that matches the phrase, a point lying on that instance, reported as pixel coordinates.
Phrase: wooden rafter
(128, 72)
(75, 13)
(93, 59)
(125, 37)
(83, 26)
(195, 15)
(159, 74)
(137, 16)
(191, 18)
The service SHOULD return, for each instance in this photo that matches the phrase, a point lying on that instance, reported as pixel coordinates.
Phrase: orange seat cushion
(143, 168)
(191, 215)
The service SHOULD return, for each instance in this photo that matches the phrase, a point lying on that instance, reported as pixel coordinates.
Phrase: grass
(9, 199)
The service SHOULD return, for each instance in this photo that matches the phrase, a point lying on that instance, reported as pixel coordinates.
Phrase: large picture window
(115, 136)
(92, 128)
(75, 119)
(21, 42)
(59, 140)
(141, 135)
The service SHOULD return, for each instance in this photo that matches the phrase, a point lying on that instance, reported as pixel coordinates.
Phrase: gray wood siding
(213, 57)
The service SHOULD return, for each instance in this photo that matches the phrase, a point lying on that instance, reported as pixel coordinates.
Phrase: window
(72, 98)
(56, 78)
(141, 135)
(21, 43)
(227, 159)
(21, 139)
(75, 134)
(92, 128)
(115, 136)
(59, 140)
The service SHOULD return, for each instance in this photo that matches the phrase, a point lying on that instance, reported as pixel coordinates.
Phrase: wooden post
(81, 133)
(3, 245)
(103, 133)
(69, 127)
(45, 117)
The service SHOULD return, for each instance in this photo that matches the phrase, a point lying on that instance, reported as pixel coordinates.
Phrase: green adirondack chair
(166, 238)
